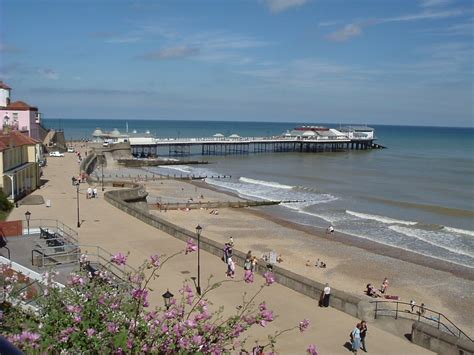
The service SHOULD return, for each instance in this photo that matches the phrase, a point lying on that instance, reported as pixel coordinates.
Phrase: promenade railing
(52, 225)
(420, 313)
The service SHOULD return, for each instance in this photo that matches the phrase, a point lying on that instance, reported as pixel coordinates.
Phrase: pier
(246, 145)
(304, 139)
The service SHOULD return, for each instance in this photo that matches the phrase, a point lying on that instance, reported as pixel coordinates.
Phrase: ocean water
(417, 195)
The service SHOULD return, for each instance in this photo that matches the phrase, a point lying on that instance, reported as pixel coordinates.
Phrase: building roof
(21, 106)
(16, 139)
(4, 86)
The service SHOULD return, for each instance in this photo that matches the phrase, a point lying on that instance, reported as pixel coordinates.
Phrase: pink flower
(90, 332)
(269, 278)
(312, 350)
(119, 259)
(155, 260)
(190, 246)
(304, 324)
(112, 327)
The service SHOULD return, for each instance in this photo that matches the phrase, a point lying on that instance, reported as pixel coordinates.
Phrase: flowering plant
(97, 312)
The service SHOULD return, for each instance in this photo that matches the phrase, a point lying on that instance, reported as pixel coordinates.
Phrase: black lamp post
(27, 217)
(198, 232)
(167, 296)
(78, 218)
(102, 166)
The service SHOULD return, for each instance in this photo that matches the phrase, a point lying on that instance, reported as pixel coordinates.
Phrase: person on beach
(412, 305)
(330, 229)
(279, 259)
(94, 192)
(355, 339)
(363, 334)
(89, 193)
(73, 179)
(231, 241)
(308, 263)
(371, 291)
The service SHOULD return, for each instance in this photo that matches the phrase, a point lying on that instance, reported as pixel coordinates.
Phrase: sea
(416, 195)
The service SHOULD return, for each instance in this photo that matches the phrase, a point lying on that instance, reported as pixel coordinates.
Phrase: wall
(440, 342)
(351, 304)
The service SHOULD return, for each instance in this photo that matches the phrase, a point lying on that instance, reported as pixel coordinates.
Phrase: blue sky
(357, 61)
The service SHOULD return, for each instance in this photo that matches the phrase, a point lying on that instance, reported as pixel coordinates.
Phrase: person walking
(363, 334)
(248, 273)
(326, 296)
(355, 339)
(94, 192)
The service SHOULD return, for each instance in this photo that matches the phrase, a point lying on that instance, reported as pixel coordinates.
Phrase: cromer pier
(305, 139)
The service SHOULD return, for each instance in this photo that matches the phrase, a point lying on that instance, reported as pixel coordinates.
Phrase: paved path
(116, 231)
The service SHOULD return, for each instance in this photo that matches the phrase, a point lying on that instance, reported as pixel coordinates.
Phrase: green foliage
(5, 206)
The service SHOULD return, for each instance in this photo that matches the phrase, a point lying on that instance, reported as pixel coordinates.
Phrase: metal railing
(420, 313)
(51, 225)
(71, 254)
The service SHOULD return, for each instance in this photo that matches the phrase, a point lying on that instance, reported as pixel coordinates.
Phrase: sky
(403, 62)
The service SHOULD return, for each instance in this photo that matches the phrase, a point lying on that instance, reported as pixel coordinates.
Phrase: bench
(118, 184)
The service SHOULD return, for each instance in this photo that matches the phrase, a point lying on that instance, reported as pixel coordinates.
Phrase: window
(15, 116)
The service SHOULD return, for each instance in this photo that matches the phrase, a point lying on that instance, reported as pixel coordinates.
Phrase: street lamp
(27, 217)
(198, 232)
(78, 218)
(167, 296)
(102, 166)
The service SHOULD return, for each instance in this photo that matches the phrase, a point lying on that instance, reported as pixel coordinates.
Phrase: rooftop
(4, 86)
(21, 106)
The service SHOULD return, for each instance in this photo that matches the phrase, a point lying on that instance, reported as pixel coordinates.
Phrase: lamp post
(167, 296)
(78, 218)
(102, 166)
(198, 232)
(27, 217)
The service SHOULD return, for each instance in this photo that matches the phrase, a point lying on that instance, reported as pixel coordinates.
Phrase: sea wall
(440, 342)
(350, 304)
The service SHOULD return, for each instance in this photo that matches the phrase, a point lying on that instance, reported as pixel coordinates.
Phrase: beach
(351, 264)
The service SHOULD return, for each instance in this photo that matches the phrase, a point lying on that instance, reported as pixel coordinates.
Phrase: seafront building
(20, 116)
(19, 168)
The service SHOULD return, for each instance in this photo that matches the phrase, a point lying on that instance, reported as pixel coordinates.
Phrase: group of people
(92, 192)
(372, 291)
(250, 265)
(214, 212)
(320, 264)
(358, 336)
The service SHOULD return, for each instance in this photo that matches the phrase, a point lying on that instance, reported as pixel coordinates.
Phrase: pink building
(18, 115)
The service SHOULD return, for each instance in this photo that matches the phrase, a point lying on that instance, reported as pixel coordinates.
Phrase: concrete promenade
(110, 228)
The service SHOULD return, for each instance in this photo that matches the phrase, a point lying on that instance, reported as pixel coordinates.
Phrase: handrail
(420, 312)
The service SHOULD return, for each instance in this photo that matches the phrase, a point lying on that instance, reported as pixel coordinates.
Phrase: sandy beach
(351, 264)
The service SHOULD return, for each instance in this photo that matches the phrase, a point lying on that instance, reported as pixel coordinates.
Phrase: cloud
(88, 91)
(347, 32)
(355, 29)
(432, 3)
(171, 53)
(49, 74)
(5, 48)
(424, 15)
(277, 6)
(124, 39)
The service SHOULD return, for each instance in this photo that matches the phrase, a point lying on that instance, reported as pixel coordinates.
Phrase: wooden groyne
(209, 205)
(135, 163)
